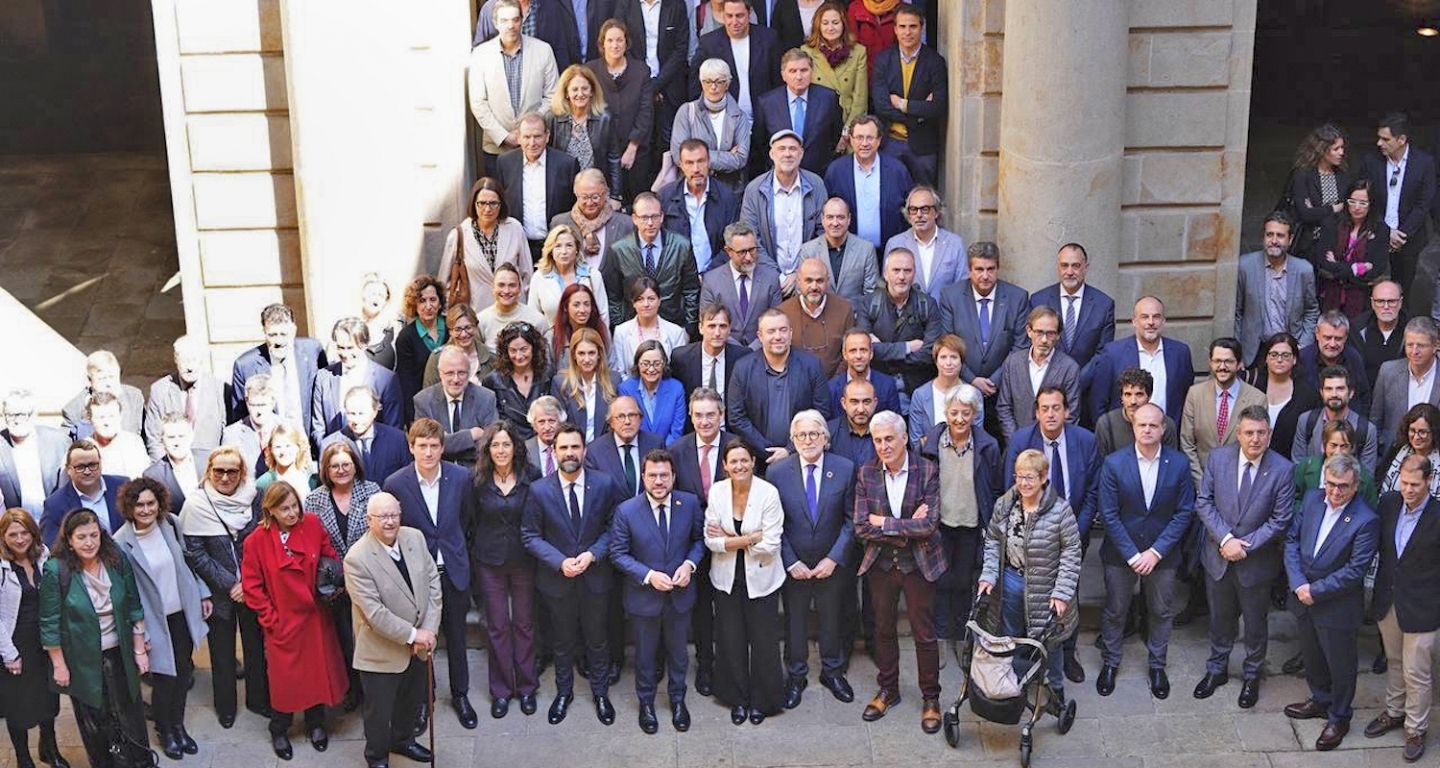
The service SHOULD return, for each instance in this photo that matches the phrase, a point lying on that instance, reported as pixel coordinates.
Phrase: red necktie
(705, 475)
(1223, 420)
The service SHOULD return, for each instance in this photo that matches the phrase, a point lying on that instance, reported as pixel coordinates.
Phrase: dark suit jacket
(556, 25)
(687, 363)
(1094, 328)
(678, 278)
(560, 172)
(832, 533)
(895, 184)
(603, 456)
(637, 546)
(1308, 367)
(722, 207)
(823, 123)
(1262, 521)
(958, 315)
(308, 353)
(389, 450)
(167, 396)
(718, 287)
(448, 536)
(132, 412)
(550, 537)
(1082, 458)
(925, 119)
(163, 471)
(687, 464)
(1337, 574)
(53, 444)
(765, 54)
(1015, 402)
(674, 43)
(477, 409)
(327, 407)
(66, 499)
(1104, 393)
(887, 395)
(1130, 526)
(1417, 192)
(988, 471)
(575, 410)
(1409, 582)
(784, 20)
(750, 398)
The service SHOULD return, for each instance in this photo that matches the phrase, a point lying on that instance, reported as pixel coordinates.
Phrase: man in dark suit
(1166, 359)
(592, 197)
(989, 315)
(1327, 550)
(751, 50)
(916, 113)
(463, 408)
(1087, 315)
(619, 452)
(567, 529)
(191, 390)
(743, 284)
(291, 361)
(1405, 586)
(1402, 191)
(431, 494)
(86, 487)
(102, 373)
(669, 71)
(858, 352)
(709, 361)
(182, 467)
(251, 433)
(872, 183)
(382, 449)
(27, 481)
(716, 204)
(769, 387)
(903, 324)
(350, 337)
(1018, 382)
(1244, 503)
(815, 107)
(1146, 500)
(521, 170)
(666, 259)
(817, 492)
(850, 429)
(655, 543)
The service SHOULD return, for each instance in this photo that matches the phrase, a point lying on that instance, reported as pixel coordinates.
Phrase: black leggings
(171, 691)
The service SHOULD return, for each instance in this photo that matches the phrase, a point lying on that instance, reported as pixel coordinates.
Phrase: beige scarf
(588, 227)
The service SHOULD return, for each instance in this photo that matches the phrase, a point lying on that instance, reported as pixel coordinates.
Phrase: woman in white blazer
(743, 524)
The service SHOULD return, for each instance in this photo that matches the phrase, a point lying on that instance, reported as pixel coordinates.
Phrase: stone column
(1062, 136)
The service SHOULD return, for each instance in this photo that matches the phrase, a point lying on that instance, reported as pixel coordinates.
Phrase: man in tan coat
(394, 591)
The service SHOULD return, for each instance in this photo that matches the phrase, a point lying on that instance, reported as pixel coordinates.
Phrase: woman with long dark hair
(1352, 253)
(579, 307)
(522, 374)
(1417, 435)
(487, 237)
(26, 699)
(1317, 184)
(1286, 402)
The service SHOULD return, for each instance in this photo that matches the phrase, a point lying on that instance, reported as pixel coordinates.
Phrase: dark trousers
(1015, 623)
(121, 715)
(454, 602)
(923, 168)
(392, 702)
(615, 628)
(1403, 264)
(1159, 590)
(221, 641)
(280, 722)
(340, 611)
(702, 618)
(747, 644)
(577, 621)
(827, 596)
(507, 594)
(1231, 601)
(668, 630)
(955, 591)
(171, 691)
(886, 586)
(1331, 663)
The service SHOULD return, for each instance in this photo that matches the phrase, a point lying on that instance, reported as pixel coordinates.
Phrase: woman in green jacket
(93, 626)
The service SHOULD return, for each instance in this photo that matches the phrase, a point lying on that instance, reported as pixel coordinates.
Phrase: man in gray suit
(191, 390)
(545, 415)
(744, 286)
(32, 456)
(1404, 384)
(1245, 500)
(989, 314)
(939, 253)
(851, 258)
(1027, 371)
(102, 372)
(251, 433)
(1274, 291)
(462, 408)
(783, 205)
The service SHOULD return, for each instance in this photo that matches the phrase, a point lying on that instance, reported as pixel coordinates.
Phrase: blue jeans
(1013, 624)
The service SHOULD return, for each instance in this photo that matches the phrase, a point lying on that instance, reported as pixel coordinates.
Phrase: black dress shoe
(839, 687)
(739, 714)
(1105, 683)
(1294, 665)
(227, 721)
(794, 691)
(187, 744)
(756, 717)
(411, 750)
(560, 708)
(1249, 692)
(528, 705)
(422, 720)
(500, 707)
(281, 745)
(1381, 664)
(1074, 671)
(680, 715)
(648, 722)
(319, 739)
(1159, 684)
(703, 682)
(383, 762)
(1207, 685)
(168, 744)
(466, 713)
(604, 710)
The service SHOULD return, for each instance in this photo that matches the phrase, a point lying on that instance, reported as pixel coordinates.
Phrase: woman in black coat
(629, 93)
(1352, 252)
(581, 126)
(1286, 399)
(521, 376)
(424, 332)
(1317, 184)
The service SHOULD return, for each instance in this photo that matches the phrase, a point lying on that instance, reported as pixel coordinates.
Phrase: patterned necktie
(984, 321)
(1069, 324)
(812, 494)
(1057, 472)
(1222, 421)
(706, 476)
(550, 462)
(650, 261)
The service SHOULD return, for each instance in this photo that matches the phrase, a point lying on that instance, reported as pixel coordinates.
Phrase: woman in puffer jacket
(1032, 562)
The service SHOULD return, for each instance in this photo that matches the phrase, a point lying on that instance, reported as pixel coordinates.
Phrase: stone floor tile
(1266, 732)
(805, 746)
(1170, 734)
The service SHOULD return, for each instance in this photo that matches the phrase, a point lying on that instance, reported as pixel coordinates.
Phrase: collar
(777, 188)
(428, 483)
(1422, 376)
(1413, 513)
(97, 497)
(704, 193)
(874, 164)
(1233, 389)
(659, 241)
(1159, 346)
(717, 356)
(820, 310)
(665, 502)
(621, 443)
(538, 162)
(844, 242)
(1403, 158)
(1030, 358)
(794, 97)
(904, 468)
(1141, 457)
(1078, 294)
(978, 298)
(908, 58)
(714, 444)
(818, 463)
(735, 274)
(579, 479)
(947, 441)
(920, 240)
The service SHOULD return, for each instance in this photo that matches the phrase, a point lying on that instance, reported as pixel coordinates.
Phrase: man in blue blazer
(655, 543)
(1087, 315)
(714, 353)
(916, 107)
(989, 314)
(431, 494)
(817, 492)
(1327, 550)
(382, 449)
(353, 369)
(1245, 500)
(816, 106)
(86, 487)
(883, 179)
(769, 387)
(619, 452)
(567, 529)
(291, 361)
(1167, 360)
(181, 466)
(764, 51)
(948, 263)
(858, 351)
(1146, 499)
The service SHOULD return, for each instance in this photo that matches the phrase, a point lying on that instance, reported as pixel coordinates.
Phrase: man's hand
(660, 582)
(775, 455)
(800, 571)
(570, 567)
(921, 513)
(986, 386)
(681, 579)
(1234, 549)
(627, 158)
(512, 139)
(476, 433)
(787, 284)
(62, 675)
(424, 642)
(824, 569)
(912, 346)
(237, 593)
(1303, 592)
(1147, 562)
(897, 102)
(877, 521)
(206, 608)
(1058, 606)
(15, 667)
(1397, 239)
(983, 588)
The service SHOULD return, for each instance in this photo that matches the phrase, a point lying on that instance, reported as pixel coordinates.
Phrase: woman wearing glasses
(522, 374)
(1285, 401)
(488, 237)
(465, 334)
(561, 267)
(716, 119)
(646, 325)
(1417, 436)
(1353, 252)
(661, 398)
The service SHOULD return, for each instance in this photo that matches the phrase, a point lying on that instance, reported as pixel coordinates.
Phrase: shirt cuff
(1226, 540)
(1135, 558)
(693, 567)
(1156, 553)
(411, 639)
(648, 574)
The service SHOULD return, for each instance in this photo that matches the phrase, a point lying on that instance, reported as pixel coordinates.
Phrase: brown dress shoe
(930, 716)
(879, 705)
(1331, 736)
(1383, 724)
(1306, 710)
(1414, 746)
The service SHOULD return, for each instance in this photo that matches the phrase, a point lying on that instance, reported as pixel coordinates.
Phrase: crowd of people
(639, 411)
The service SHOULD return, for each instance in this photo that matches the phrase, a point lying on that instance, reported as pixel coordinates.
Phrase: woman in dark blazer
(424, 332)
(504, 570)
(1317, 184)
(522, 374)
(580, 125)
(1352, 252)
(26, 699)
(625, 84)
(1285, 400)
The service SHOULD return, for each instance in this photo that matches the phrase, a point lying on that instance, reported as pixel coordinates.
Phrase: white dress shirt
(430, 491)
(925, 258)
(532, 190)
(740, 49)
(650, 12)
(1037, 371)
(1149, 478)
(579, 485)
(1327, 523)
(895, 487)
(789, 218)
(1057, 454)
(716, 364)
(1420, 386)
(1392, 200)
(30, 477)
(1155, 366)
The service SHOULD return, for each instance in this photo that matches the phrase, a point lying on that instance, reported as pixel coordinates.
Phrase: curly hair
(539, 354)
(1314, 146)
(130, 496)
(414, 290)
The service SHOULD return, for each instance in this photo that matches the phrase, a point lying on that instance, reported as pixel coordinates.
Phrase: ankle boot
(49, 751)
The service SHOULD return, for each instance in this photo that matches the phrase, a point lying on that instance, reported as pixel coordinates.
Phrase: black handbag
(329, 580)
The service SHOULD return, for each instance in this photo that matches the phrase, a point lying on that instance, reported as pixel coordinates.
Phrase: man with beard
(818, 316)
(1027, 371)
(697, 209)
(1337, 389)
(1376, 335)
(1212, 408)
(744, 286)
(1274, 292)
(903, 324)
(766, 389)
(1332, 347)
(1167, 361)
(858, 352)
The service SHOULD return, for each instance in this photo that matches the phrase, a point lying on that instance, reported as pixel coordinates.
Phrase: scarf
(881, 7)
(715, 106)
(211, 513)
(837, 55)
(588, 227)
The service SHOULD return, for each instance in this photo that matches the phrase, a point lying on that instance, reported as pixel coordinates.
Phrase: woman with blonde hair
(586, 385)
(288, 459)
(560, 267)
(580, 126)
(380, 318)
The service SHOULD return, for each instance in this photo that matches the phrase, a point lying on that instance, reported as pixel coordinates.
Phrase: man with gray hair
(940, 260)
(102, 374)
(903, 324)
(544, 415)
(251, 432)
(32, 455)
(190, 390)
(1406, 383)
(509, 75)
(744, 285)
(538, 180)
(1327, 551)
(1332, 347)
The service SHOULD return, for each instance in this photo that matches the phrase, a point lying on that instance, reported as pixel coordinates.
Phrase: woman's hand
(16, 667)
(237, 593)
(627, 158)
(62, 675)
(206, 608)
(713, 530)
(142, 662)
(983, 588)
(1058, 606)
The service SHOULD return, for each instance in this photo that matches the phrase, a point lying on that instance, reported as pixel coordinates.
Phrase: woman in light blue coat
(927, 404)
(661, 398)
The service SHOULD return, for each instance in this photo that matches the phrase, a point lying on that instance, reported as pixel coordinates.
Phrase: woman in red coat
(306, 667)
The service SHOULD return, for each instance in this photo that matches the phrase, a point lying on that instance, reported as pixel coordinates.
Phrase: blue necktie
(574, 511)
(664, 521)
(1246, 482)
(984, 321)
(650, 261)
(1069, 324)
(1057, 472)
(630, 476)
(812, 494)
(797, 117)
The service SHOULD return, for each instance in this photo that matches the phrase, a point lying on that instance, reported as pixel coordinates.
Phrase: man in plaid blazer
(902, 554)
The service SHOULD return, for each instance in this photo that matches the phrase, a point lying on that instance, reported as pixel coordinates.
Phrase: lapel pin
(829, 475)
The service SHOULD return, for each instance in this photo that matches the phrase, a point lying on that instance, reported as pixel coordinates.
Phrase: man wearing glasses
(1212, 408)
(88, 488)
(1027, 371)
(939, 253)
(1376, 336)
(31, 455)
(1404, 384)
(1274, 292)
(871, 184)
(664, 257)
(746, 286)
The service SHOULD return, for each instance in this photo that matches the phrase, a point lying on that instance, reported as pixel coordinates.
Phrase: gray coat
(859, 269)
(1015, 403)
(192, 591)
(1052, 562)
(1302, 309)
(757, 208)
(692, 122)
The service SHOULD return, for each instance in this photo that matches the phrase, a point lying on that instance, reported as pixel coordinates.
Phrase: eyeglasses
(1358, 203)
(1027, 478)
(1417, 432)
(1045, 334)
(743, 251)
(1280, 355)
(918, 209)
(648, 217)
(809, 436)
(713, 81)
(1224, 363)
(223, 472)
(462, 329)
(487, 203)
(92, 466)
(624, 416)
(18, 415)
(652, 364)
(1385, 302)
(1331, 485)
(385, 518)
(593, 197)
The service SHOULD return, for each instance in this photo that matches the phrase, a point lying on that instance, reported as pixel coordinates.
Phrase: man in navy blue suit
(1327, 551)
(354, 368)
(619, 453)
(291, 361)
(872, 183)
(989, 314)
(1167, 360)
(815, 107)
(915, 106)
(768, 388)
(567, 529)
(858, 351)
(382, 449)
(655, 543)
(431, 494)
(87, 488)
(817, 492)
(1146, 500)
(1087, 315)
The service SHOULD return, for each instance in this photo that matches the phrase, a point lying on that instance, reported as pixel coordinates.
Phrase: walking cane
(430, 701)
